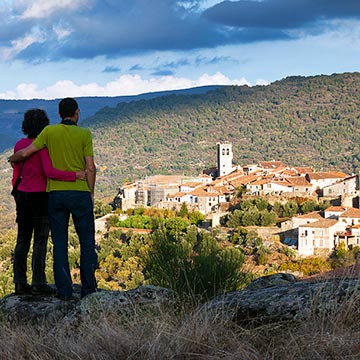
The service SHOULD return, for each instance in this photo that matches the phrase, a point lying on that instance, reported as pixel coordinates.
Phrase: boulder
(37, 308)
(282, 297)
(273, 298)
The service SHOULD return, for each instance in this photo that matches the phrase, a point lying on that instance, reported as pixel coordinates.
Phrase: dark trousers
(32, 219)
(80, 206)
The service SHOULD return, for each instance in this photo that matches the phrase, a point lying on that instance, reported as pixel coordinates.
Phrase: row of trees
(258, 211)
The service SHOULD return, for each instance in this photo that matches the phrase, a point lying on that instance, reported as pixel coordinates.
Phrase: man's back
(68, 146)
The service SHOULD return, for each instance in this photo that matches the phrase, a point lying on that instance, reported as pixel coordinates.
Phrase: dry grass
(174, 334)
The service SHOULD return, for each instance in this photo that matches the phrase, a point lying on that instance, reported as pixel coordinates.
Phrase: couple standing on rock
(56, 170)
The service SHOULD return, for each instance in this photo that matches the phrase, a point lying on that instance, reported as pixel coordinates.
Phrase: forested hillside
(12, 111)
(300, 120)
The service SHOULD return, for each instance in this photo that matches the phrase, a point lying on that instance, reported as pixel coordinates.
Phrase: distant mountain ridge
(12, 111)
(301, 121)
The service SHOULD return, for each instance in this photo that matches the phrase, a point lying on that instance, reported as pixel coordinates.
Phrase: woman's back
(33, 175)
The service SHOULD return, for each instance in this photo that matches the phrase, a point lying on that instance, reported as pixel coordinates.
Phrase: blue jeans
(80, 206)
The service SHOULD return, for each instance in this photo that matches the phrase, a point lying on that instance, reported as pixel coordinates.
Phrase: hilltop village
(211, 193)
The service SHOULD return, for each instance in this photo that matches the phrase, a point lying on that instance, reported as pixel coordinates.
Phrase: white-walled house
(259, 187)
(350, 235)
(210, 198)
(248, 169)
(348, 186)
(178, 197)
(190, 186)
(271, 167)
(278, 185)
(319, 180)
(350, 217)
(333, 212)
(205, 198)
(319, 237)
(304, 219)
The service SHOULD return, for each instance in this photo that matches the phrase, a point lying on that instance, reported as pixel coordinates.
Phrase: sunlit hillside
(310, 121)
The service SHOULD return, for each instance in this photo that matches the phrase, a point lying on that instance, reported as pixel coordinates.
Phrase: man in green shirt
(70, 148)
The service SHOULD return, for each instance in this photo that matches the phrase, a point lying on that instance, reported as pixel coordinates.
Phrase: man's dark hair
(34, 121)
(67, 107)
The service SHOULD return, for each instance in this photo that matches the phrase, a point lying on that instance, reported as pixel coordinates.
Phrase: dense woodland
(310, 121)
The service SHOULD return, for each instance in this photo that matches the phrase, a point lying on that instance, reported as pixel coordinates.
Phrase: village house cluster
(211, 192)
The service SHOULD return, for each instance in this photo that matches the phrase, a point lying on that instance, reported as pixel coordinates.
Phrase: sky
(57, 48)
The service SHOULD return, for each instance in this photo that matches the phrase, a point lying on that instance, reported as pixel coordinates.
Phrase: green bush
(342, 257)
(192, 263)
(262, 255)
(137, 221)
(251, 212)
(238, 236)
(288, 251)
(196, 217)
(308, 266)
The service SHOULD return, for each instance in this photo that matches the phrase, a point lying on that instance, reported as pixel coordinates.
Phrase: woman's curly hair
(34, 121)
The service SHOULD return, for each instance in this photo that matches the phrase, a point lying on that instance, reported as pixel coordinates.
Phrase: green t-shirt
(67, 145)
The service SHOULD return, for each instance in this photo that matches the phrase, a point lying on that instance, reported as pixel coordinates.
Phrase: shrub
(101, 209)
(196, 217)
(308, 266)
(342, 257)
(191, 263)
(262, 255)
(238, 236)
(112, 220)
(287, 251)
(137, 221)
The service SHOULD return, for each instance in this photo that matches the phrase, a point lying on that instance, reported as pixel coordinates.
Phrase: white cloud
(36, 36)
(261, 82)
(124, 85)
(42, 9)
(61, 32)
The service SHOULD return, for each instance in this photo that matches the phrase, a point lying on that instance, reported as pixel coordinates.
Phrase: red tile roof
(351, 213)
(336, 208)
(327, 175)
(311, 215)
(324, 223)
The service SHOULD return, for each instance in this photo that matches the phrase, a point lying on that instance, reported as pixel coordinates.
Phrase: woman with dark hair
(32, 206)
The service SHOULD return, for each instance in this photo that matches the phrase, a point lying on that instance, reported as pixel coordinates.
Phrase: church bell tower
(224, 158)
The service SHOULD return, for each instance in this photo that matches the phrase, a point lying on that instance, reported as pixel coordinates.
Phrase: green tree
(262, 204)
(113, 221)
(176, 226)
(238, 236)
(290, 208)
(278, 209)
(308, 206)
(234, 219)
(196, 217)
(101, 208)
(184, 212)
(250, 217)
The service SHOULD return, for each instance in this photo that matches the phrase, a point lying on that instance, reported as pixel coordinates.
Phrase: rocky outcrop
(282, 297)
(35, 309)
(279, 297)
